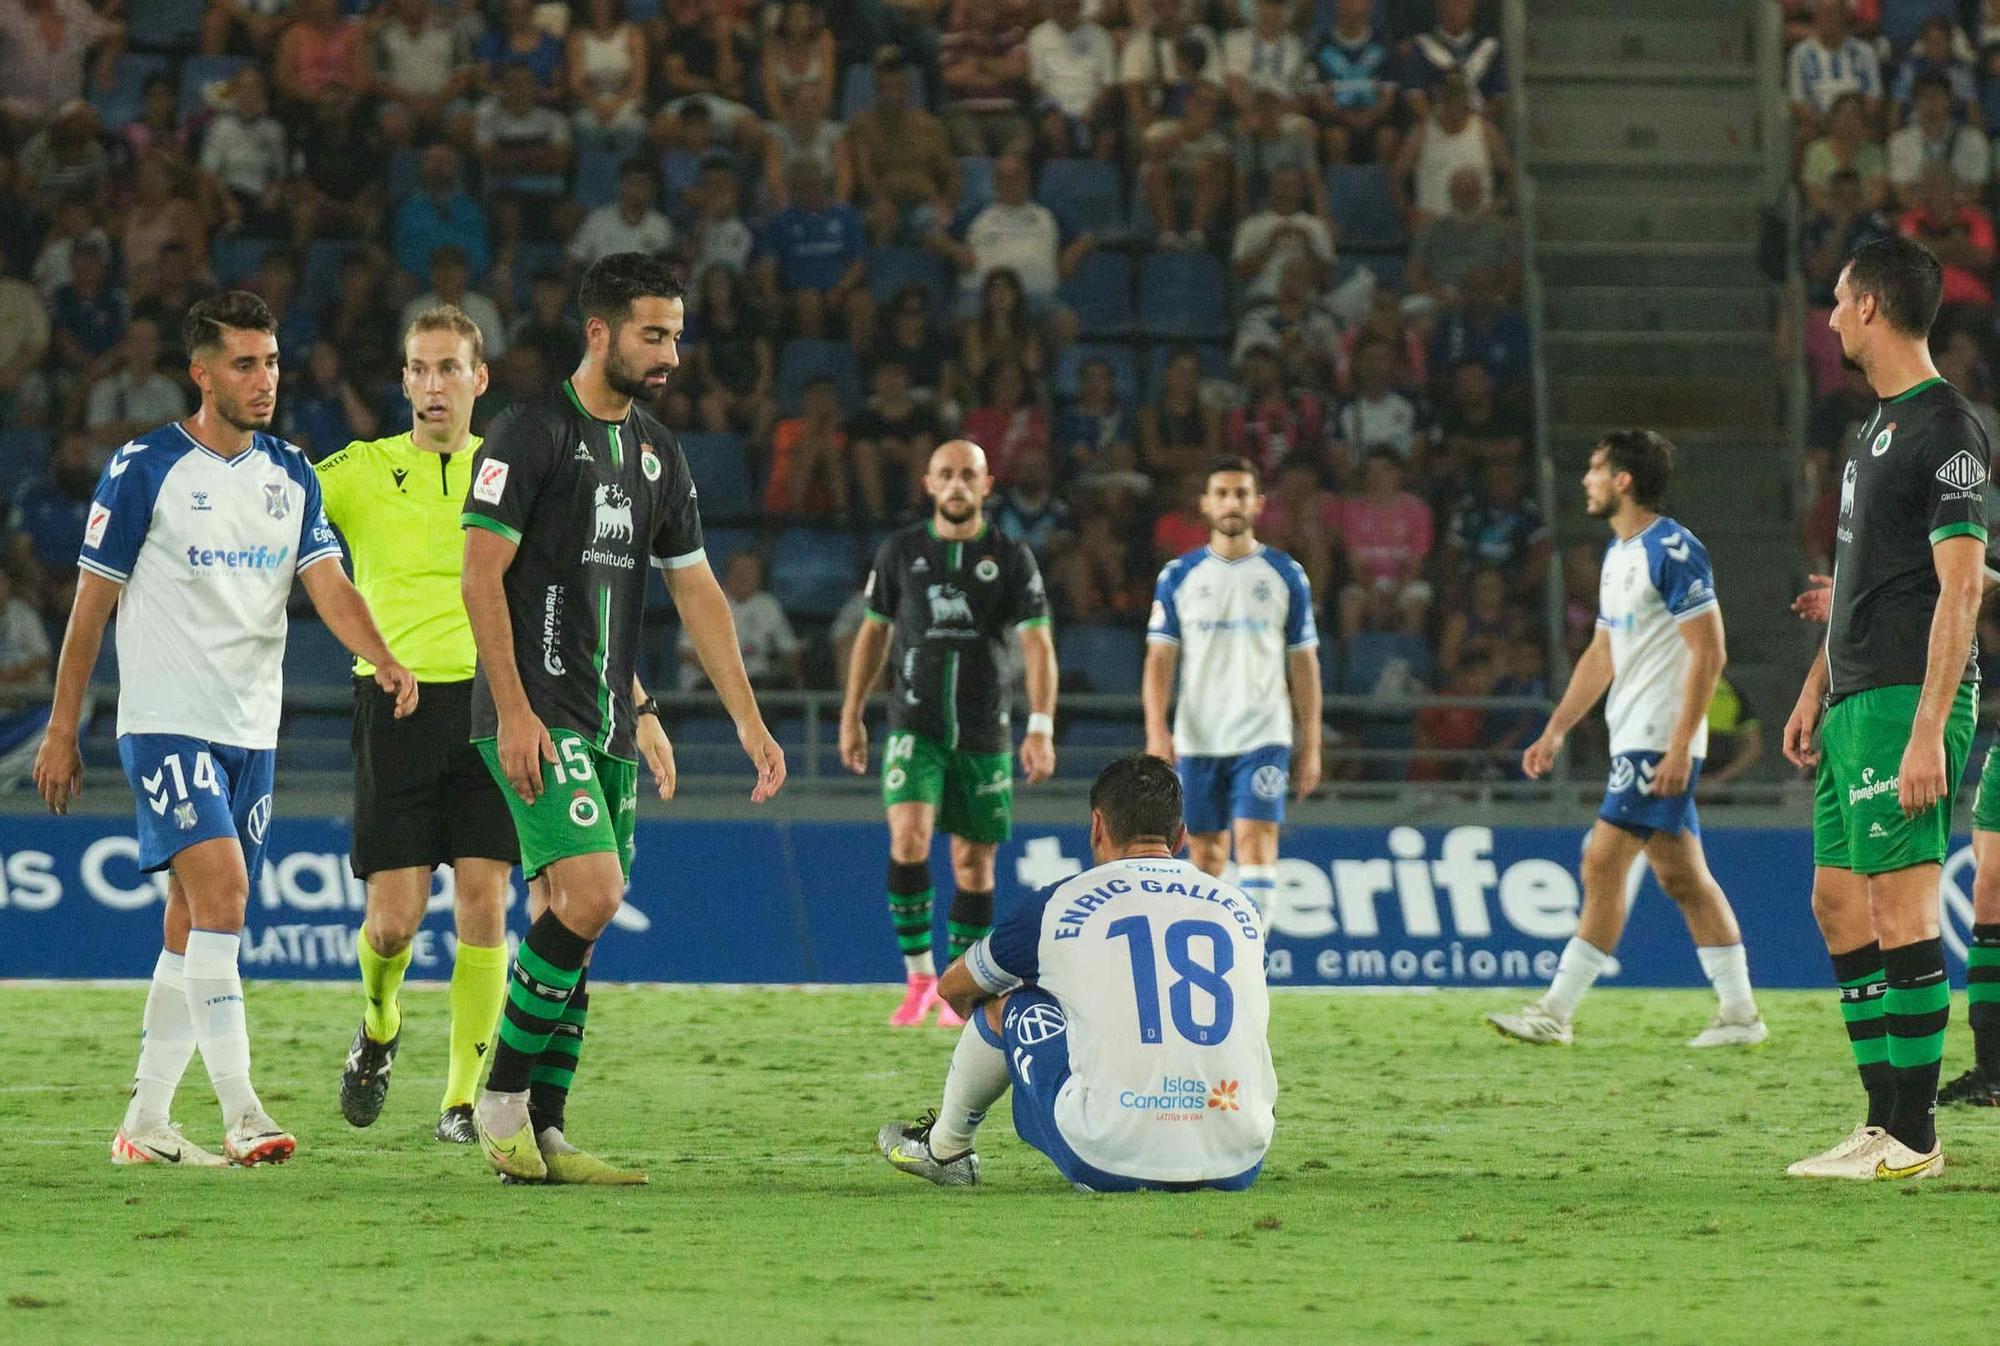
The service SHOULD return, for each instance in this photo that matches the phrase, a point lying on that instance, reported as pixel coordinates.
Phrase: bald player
(941, 598)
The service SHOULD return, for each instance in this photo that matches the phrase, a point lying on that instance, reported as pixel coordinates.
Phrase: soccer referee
(422, 796)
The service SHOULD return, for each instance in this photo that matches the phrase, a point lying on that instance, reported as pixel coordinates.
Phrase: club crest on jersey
(583, 809)
(276, 503)
(614, 514)
(1881, 444)
(649, 462)
(986, 570)
(1963, 472)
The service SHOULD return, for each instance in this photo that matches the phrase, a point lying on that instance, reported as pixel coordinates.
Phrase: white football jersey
(1235, 622)
(206, 548)
(1650, 584)
(1159, 970)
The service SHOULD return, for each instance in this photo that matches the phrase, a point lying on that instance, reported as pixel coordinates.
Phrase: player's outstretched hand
(58, 771)
(854, 745)
(1038, 757)
(1670, 778)
(658, 752)
(1306, 773)
(1921, 782)
(769, 759)
(1799, 730)
(524, 744)
(1540, 756)
(400, 683)
(1816, 603)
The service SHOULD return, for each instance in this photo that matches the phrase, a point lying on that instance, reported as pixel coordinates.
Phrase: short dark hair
(616, 280)
(1647, 456)
(1233, 463)
(637, 167)
(1905, 278)
(1138, 796)
(235, 310)
(1933, 80)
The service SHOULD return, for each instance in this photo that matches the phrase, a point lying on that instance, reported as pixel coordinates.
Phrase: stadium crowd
(1109, 240)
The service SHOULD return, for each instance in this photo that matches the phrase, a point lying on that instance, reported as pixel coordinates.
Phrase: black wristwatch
(650, 706)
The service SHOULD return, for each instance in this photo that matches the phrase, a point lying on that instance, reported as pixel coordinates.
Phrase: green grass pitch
(1430, 1183)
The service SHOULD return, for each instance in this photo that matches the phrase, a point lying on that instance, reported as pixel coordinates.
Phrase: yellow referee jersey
(398, 506)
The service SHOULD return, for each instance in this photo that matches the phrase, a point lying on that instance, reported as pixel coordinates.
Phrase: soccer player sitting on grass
(1892, 699)
(1125, 1006)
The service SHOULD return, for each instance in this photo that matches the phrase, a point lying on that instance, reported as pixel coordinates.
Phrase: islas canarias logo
(1222, 1096)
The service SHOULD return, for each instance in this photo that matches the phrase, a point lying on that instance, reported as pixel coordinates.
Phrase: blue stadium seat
(596, 177)
(721, 472)
(1213, 360)
(197, 74)
(233, 257)
(1112, 735)
(723, 543)
(1110, 658)
(857, 88)
(126, 98)
(399, 179)
(1183, 295)
(1389, 267)
(314, 657)
(891, 268)
(1124, 371)
(644, 11)
(1902, 18)
(164, 25)
(1083, 195)
(1100, 291)
(24, 456)
(1363, 212)
(319, 278)
(813, 571)
(803, 360)
(531, 259)
(975, 187)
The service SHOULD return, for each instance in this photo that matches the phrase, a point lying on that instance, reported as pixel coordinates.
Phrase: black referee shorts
(422, 796)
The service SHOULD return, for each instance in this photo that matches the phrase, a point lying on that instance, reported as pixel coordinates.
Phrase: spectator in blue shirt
(1454, 45)
(1499, 526)
(1932, 54)
(87, 316)
(523, 42)
(1483, 331)
(1826, 65)
(325, 413)
(439, 212)
(810, 255)
(1353, 97)
(1095, 434)
(1029, 510)
(45, 528)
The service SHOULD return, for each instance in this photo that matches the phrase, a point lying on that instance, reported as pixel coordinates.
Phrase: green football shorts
(1986, 799)
(973, 792)
(589, 803)
(1857, 823)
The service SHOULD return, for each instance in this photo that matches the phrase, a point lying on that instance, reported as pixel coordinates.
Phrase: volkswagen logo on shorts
(583, 810)
(1621, 775)
(1269, 782)
(259, 819)
(1038, 1023)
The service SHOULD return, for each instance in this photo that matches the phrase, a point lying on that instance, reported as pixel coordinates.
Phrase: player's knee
(587, 909)
(389, 933)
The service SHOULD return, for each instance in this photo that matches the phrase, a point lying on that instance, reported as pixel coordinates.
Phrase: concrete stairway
(1644, 142)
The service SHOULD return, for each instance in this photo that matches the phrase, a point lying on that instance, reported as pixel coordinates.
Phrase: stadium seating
(1110, 658)
(1363, 211)
(721, 473)
(803, 360)
(126, 98)
(857, 89)
(597, 177)
(722, 543)
(1183, 296)
(234, 257)
(1083, 194)
(1213, 361)
(975, 190)
(319, 279)
(1124, 370)
(198, 75)
(164, 25)
(314, 657)
(1100, 292)
(892, 268)
(531, 260)
(813, 571)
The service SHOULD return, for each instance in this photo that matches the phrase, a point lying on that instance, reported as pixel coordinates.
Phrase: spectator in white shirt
(1375, 415)
(719, 237)
(1153, 61)
(244, 151)
(1265, 57)
(632, 223)
(422, 66)
(136, 397)
(1073, 68)
(770, 647)
(1934, 136)
(1285, 229)
(1828, 64)
(451, 278)
(1017, 234)
(24, 643)
(24, 345)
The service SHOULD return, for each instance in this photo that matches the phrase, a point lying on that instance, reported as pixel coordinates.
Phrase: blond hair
(448, 318)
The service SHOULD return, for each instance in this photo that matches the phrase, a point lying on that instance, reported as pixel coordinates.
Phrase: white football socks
(1581, 962)
(919, 964)
(166, 1045)
(215, 1004)
(977, 1078)
(1728, 969)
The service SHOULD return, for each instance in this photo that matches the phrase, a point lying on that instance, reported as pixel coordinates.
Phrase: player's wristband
(650, 706)
(1039, 723)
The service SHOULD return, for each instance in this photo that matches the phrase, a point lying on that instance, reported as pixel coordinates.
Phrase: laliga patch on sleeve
(93, 531)
(1158, 619)
(492, 480)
